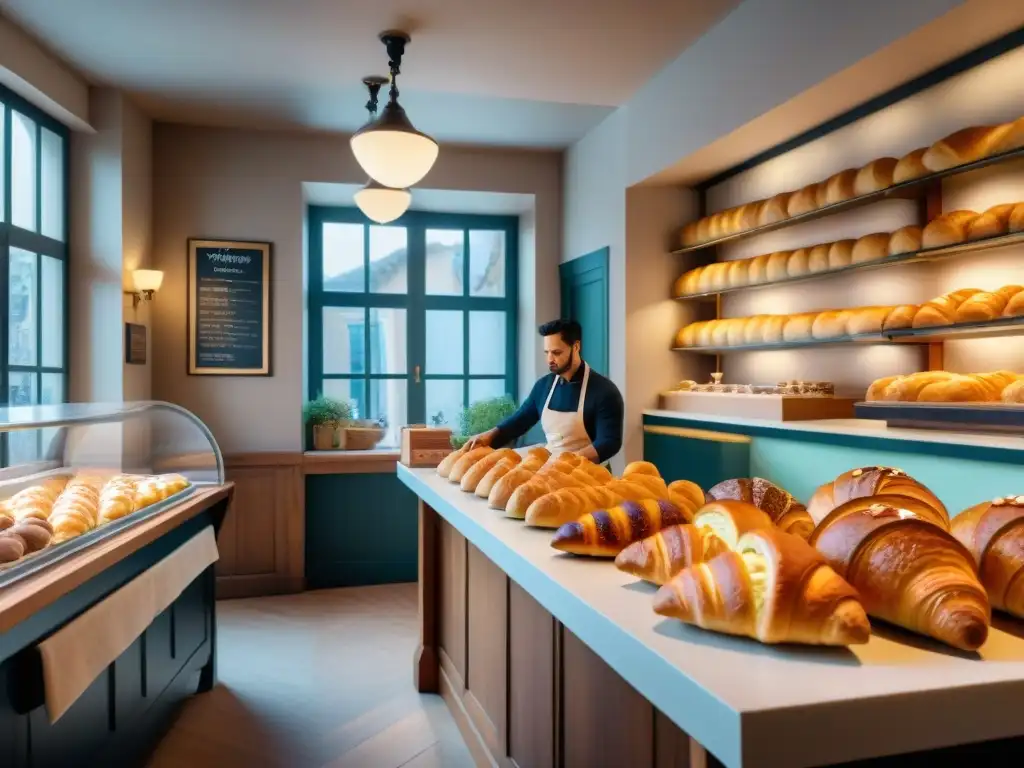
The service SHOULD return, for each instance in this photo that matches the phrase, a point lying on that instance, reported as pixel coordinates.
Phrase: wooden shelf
(907, 190)
(1004, 326)
(914, 257)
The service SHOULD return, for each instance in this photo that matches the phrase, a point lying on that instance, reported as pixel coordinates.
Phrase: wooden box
(771, 407)
(424, 446)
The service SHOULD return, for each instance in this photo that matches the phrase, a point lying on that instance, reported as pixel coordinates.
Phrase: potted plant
(325, 415)
(482, 416)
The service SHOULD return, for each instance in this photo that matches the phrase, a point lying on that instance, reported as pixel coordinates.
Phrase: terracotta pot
(325, 437)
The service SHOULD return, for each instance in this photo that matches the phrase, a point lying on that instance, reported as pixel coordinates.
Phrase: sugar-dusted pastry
(874, 481)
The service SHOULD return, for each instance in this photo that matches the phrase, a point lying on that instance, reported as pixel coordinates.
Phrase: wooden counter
(556, 660)
(118, 719)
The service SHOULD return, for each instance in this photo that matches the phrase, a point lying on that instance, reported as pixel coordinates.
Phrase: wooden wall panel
(531, 681)
(487, 657)
(452, 574)
(606, 723)
(671, 745)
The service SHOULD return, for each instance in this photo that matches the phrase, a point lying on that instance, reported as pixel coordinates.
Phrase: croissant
(553, 510)
(607, 532)
(784, 510)
(872, 481)
(993, 532)
(774, 588)
(908, 571)
(476, 473)
(448, 462)
(116, 501)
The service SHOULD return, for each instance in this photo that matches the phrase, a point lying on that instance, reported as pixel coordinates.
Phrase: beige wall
(248, 185)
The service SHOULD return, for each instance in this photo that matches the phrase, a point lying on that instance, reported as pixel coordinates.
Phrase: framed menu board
(229, 308)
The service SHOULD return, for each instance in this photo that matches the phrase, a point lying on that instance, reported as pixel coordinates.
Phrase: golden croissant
(607, 532)
(779, 504)
(872, 481)
(908, 570)
(774, 587)
(993, 532)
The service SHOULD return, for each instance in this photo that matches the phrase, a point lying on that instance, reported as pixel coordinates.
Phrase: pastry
(817, 258)
(774, 210)
(965, 146)
(779, 504)
(910, 167)
(840, 254)
(867, 320)
(871, 248)
(774, 588)
(607, 532)
(873, 481)
(907, 570)
(840, 186)
(874, 176)
(658, 558)
(992, 223)
(796, 265)
(905, 240)
(993, 533)
(948, 229)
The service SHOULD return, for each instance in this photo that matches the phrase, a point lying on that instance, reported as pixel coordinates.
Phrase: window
(413, 320)
(33, 243)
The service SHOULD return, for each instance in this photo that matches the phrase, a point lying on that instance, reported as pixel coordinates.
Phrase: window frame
(36, 242)
(416, 302)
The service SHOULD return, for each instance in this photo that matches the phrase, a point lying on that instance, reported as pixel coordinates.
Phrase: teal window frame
(37, 243)
(416, 302)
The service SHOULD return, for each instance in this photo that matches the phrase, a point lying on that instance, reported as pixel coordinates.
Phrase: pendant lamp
(390, 149)
(378, 202)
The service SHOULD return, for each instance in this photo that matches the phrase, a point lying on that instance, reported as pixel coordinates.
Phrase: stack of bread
(63, 507)
(965, 146)
(948, 229)
(945, 387)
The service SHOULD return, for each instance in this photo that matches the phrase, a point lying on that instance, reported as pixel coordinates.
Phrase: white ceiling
(506, 72)
(439, 200)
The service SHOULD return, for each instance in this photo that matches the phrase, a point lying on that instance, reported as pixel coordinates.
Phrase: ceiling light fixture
(379, 203)
(390, 149)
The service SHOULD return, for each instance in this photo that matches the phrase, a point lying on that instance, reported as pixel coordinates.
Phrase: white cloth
(564, 430)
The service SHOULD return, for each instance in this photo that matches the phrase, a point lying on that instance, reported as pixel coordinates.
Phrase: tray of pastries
(53, 516)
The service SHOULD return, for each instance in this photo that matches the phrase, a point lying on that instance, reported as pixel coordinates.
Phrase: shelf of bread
(963, 151)
(952, 234)
(46, 518)
(964, 313)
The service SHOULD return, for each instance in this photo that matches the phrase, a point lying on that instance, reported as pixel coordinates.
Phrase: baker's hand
(483, 440)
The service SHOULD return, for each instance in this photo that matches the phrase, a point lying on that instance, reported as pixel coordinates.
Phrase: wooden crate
(424, 446)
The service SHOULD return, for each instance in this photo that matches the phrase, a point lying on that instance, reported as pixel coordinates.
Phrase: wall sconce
(147, 282)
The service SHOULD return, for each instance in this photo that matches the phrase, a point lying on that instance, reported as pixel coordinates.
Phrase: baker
(579, 410)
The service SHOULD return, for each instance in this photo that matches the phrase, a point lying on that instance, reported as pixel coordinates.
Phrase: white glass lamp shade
(382, 204)
(148, 280)
(392, 151)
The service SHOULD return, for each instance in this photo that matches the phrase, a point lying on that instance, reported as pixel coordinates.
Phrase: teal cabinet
(700, 456)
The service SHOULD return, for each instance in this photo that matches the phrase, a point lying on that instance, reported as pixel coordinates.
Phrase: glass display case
(74, 474)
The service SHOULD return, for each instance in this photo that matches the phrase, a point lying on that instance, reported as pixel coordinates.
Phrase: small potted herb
(482, 416)
(325, 415)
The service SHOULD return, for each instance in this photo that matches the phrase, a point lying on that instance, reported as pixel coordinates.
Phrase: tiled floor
(317, 680)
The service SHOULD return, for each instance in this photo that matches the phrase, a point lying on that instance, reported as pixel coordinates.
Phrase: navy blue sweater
(603, 411)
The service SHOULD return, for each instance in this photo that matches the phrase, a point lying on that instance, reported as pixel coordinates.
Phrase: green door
(584, 283)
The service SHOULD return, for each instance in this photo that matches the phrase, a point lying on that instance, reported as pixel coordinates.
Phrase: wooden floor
(317, 680)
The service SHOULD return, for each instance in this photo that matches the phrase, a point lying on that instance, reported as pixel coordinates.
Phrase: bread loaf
(471, 479)
(448, 462)
(840, 254)
(772, 330)
(1015, 306)
(703, 229)
(907, 388)
(900, 317)
(554, 509)
(942, 309)
(735, 331)
(981, 307)
(803, 201)
(956, 389)
(738, 273)
(1016, 222)
(905, 240)
(466, 461)
(874, 176)
(1013, 393)
(867, 320)
(494, 474)
(948, 229)
(877, 389)
(774, 210)
(910, 167)
(720, 276)
(1012, 139)
(757, 272)
(715, 228)
(753, 329)
(688, 235)
(830, 324)
(798, 327)
(965, 146)
(872, 481)
(749, 215)
(992, 223)
(796, 265)
(840, 186)
(777, 267)
(871, 248)
(817, 258)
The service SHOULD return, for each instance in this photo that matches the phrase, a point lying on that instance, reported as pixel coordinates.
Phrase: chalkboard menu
(229, 308)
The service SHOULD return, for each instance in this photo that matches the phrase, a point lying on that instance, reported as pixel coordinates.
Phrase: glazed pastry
(873, 481)
(607, 532)
(993, 532)
(779, 504)
(774, 588)
(908, 571)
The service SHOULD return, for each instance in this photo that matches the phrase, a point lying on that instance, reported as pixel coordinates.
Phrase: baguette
(773, 328)
(471, 479)
(874, 176)
(910, 167)
(871, 248)
(554, 509)
(965, 146)
(905, 240)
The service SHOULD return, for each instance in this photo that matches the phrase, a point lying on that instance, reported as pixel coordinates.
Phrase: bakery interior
(253, 319)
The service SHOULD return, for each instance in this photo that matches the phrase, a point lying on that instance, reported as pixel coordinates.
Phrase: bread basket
(360, 435)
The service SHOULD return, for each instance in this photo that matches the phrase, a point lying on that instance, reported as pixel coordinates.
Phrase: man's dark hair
(569, 330)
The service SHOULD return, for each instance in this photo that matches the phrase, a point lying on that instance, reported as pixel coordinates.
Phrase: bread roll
(688, 235)
(939, 311)
(1012, 139)
(830, 324)
(871, 248)
(719, 276)
(753, 329)
(738, 273)
(758, 271)
(799, 327)
(956, 389)
(703, 228)
(749, 215)
(1017, 218)
(867, 319)
(772, 329)
(907, 388)
(981, 307)
(777, 266)
(905, 240)
(1014, 393)
(817, 258)
(774, 210)
(687, 335)
(803, 201)
(719, 333)
(910, 167)
(874, 176)
(992, 223)
(839, 186)
(731, 221)
(965, 146)
(900, 317)
(796, 265)
(735, 330)
(840, 254)
(715, 228)
(877, 389)
(948, 229)
(1015, 306)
